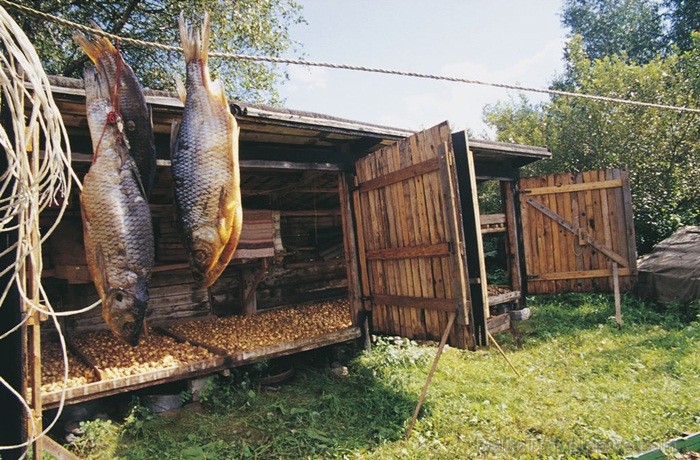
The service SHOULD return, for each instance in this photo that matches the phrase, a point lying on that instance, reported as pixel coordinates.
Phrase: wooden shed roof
(277, 134)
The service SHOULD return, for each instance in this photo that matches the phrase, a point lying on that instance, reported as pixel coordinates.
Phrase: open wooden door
(410, 240)
(575, 227)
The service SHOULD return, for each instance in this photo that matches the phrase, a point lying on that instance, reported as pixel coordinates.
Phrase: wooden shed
(348, 228)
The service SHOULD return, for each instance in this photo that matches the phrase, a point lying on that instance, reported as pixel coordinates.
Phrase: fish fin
(180, 87)
(101, 268)
(137, 178)
(216, 89)
(95, 46)
(229, 249)
(195, 44)
(174, 131)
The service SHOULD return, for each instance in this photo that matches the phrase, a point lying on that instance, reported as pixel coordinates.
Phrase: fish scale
(204, 159)
(117, 226)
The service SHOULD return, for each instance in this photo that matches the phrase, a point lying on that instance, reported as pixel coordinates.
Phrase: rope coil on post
(39, 174)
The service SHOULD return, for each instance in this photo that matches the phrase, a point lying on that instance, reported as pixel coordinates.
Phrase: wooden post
(509, 201)
(249, 283)
(13, 348)
(616, 288)
(350, 242)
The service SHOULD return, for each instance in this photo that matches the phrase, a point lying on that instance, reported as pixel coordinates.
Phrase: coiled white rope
(29, 185)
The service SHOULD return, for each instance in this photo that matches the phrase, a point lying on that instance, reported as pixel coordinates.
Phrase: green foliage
(629, 28)
(660, 148)
(98, 441)
(685, 18)
(136, 419)
(244, 26)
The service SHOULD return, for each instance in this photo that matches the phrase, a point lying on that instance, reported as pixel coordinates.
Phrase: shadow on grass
(315, 415)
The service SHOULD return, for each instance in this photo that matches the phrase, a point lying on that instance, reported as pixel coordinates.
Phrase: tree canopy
(632, 28)
(660, 148)
(241, 26)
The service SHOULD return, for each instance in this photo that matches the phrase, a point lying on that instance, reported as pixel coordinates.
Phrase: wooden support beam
(426, 303)
(417, 169)
(580, 274)
(433, 250)
(250, 280)
(504, 298)
(513, 236)
(424, 391)
(573, 187)
(57, 451)
(616, 290)
(350, 246)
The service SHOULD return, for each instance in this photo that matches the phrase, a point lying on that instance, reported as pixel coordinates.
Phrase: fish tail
(195, 43)
(95, 47)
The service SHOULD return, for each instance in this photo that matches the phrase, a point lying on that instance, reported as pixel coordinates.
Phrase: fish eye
(119, 297)
(200, 256)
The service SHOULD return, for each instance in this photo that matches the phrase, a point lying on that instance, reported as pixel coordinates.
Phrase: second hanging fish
(205, 164)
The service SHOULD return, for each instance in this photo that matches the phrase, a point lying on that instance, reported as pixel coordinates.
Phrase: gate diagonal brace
(583, 236)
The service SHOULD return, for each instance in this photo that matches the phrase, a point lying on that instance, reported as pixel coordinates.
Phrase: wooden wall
(308, 266)
(574, 227)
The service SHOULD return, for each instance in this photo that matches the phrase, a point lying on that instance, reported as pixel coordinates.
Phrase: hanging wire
(330, 65)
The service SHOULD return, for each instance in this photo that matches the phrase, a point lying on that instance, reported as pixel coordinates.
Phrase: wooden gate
(410, 245)
(576, 228)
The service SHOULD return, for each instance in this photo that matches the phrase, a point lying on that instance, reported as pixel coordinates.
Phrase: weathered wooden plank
(578, 187)
(426, 303)
(570, 227)
(511, 223)
(629, 222)
(400, 175)
(402, 266)
(554, 232)
(350, 247)
(413, 152)
(504, 298)
(490, 219)
(415, 212)
(471, 248)
(498, 323)
(583, 274)
(432, 250)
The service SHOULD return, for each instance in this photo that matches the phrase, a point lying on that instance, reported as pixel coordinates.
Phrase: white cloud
(302, 78)
(463, 104)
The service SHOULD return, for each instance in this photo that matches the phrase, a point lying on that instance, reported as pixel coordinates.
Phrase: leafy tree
(633, 28)
(660, 148)
(684, 17)
(241, 26)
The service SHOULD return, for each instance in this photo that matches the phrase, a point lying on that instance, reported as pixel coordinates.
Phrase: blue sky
(505, 41)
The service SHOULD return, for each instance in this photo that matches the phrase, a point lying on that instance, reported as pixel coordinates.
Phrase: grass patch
(588, 390)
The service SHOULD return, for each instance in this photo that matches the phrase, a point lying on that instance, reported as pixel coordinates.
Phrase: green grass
(588, 390)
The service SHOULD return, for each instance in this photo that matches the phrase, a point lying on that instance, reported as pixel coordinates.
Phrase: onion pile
(243, 333)
(117, 359)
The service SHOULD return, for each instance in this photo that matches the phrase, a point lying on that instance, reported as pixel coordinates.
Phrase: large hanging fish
(205, 164)
(117, 225)
(129, 101)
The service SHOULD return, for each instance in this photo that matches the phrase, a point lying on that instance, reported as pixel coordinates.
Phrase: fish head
(124, 313)
(206, 247)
